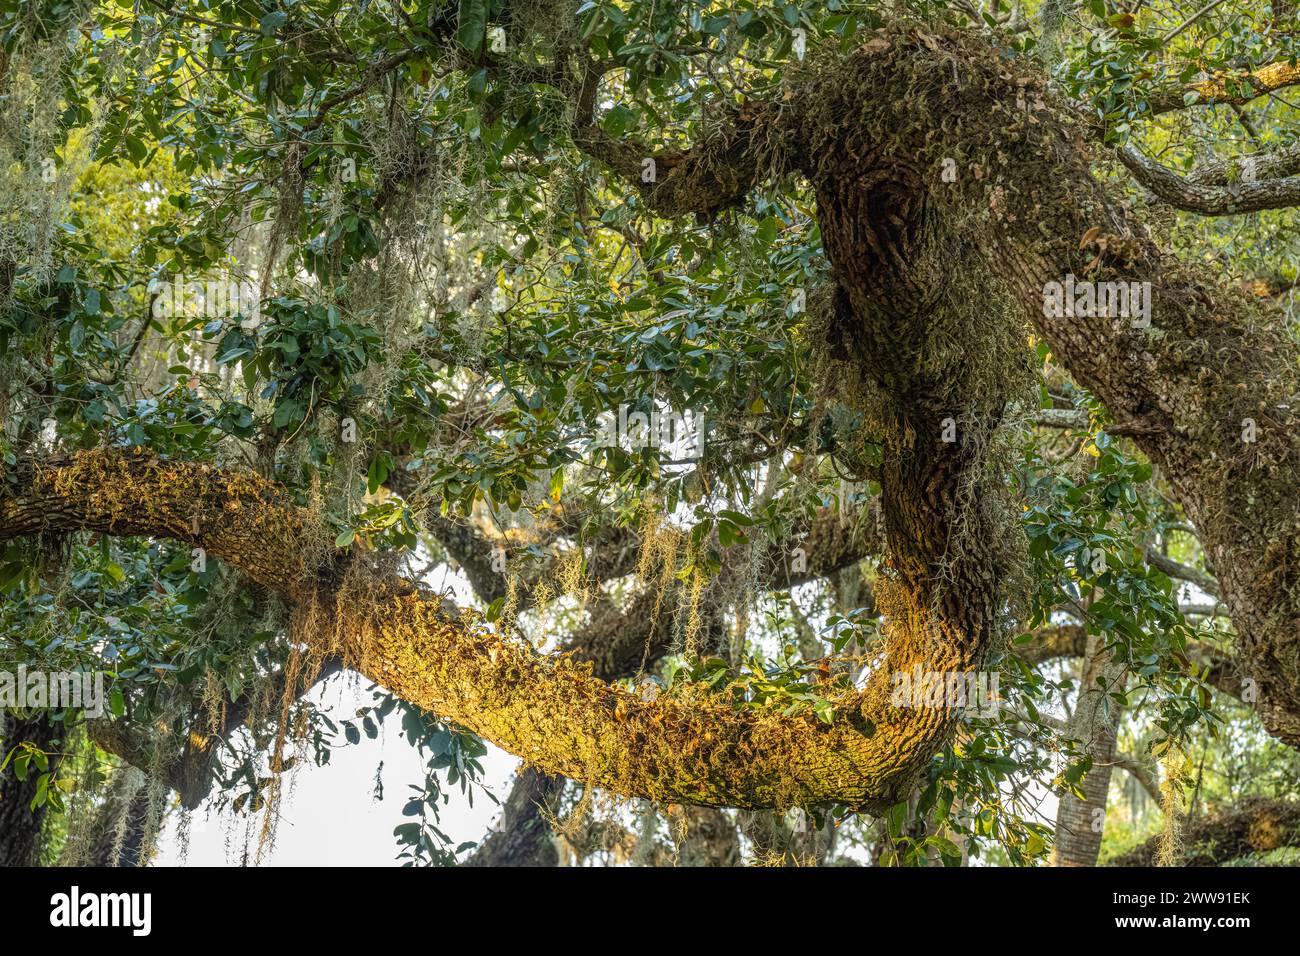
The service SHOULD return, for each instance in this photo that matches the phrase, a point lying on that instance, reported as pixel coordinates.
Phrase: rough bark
(620, 642)
(1210, 199)
(873, 131)
(522, 837)
(20, 825)
(1227, 86)
(1029, 204)
(704, 836)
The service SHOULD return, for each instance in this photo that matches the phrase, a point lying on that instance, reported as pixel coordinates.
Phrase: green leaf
(478, 83)
(137, 150)
(471, 24)
(407, 832)
(272, 22)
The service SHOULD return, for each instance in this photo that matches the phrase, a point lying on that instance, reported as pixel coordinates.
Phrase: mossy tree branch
(1209, 390)
(550, 711)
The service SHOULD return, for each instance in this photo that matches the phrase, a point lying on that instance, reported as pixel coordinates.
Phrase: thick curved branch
(554, 714)
(1207, 381)
(550, 711)
(1272, 164)
(621, 641)
(703, 181)
(238, 517)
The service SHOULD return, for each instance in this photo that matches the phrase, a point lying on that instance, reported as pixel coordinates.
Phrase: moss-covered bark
(1213, 361)
(1210, 390)
(935, 282)
(552, 712)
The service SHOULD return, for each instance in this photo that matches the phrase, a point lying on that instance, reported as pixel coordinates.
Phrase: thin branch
(1140, 774)
(1181, 571)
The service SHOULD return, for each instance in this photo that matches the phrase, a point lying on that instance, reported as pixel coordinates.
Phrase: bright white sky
(329, 816)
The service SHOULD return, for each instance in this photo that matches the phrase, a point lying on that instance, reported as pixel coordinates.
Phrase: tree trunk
(522, 836)
(1095, 724)
(934, 281)
(1207, 391)
(20, 825)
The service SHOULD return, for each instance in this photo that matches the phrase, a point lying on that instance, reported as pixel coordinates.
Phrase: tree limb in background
(1254, 826)
(1207, 199)
(1229, 87)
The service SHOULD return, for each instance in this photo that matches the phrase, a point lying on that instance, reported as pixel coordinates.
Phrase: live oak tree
(302, 302)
